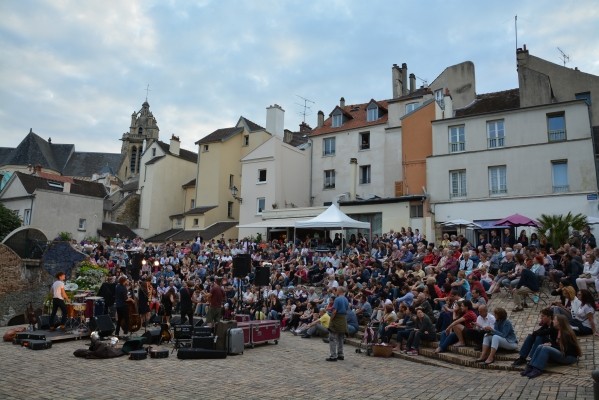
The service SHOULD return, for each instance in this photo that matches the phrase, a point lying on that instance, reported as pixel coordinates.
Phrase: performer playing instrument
(59, 299)
(144, 296)
(122, 312)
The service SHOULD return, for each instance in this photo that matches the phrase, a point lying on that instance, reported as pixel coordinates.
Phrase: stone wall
(24, 281)
(127, 212)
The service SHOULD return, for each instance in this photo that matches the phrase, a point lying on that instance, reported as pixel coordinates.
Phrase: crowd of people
(399, 283)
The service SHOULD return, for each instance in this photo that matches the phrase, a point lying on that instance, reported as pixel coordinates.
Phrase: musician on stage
(186, 303)
(144, 295)
(107, 291)
(216, 299)
(121, 296)
(59, 299)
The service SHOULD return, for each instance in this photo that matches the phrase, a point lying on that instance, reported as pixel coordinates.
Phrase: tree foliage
(9, 221)
(556, 228)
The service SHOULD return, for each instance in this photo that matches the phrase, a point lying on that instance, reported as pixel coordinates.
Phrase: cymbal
(70, 286)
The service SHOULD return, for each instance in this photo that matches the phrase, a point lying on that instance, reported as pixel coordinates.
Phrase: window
(231, 182)
(411, 107)
(337, 120)
(372, 113)
(153, 151)
(364, 174)
(230, 209)
(260, 203)
(328, 147)
(329, 179)
(416, 211)
(261, 175)
(364, 140)
(495, 134)
(27, 217)
(457, 183)
(586, 96)
(497, 180)
(140, 131)
(196, 221)
(133, 159)
(205, 148)
(82, 222)
(560, 176)
(439, 95)
(192, 205)
(556, 127)
(246, 140)
(457, 141)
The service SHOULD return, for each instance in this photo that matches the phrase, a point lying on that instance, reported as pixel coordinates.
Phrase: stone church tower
(142, 133)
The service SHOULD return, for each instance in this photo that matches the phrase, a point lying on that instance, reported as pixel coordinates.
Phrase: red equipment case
(242, 317)
(247, 332)
(264, 331)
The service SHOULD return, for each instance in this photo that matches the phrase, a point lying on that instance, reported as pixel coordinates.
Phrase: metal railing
(556, 136)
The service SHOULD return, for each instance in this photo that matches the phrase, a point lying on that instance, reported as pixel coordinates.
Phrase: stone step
(469, 351)
(468, 361)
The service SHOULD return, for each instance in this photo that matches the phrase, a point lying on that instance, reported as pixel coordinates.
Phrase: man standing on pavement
(217, 297)
(59, 299)
(338, 325)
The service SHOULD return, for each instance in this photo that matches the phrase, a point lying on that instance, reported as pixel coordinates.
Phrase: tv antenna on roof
(424, 81)
(564, 57)
(306, 107)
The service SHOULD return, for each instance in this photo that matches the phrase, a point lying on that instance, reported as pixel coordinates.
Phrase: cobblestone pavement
(295, 368)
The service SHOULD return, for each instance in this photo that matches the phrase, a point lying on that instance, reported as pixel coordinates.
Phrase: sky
(76, 70)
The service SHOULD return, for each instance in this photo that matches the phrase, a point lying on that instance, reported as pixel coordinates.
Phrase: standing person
(121, 294)
(59, 299)
(144, 296)
(338, 325)
(217, 296)
(186, 303)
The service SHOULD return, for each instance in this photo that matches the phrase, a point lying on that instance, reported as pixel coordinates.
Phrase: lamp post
(311, 156)
(234, 192)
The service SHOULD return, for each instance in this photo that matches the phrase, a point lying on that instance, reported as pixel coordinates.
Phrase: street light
(234, 192)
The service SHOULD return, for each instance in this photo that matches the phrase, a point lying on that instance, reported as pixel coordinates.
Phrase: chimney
(175, 145)
(275, 117)
(448, 102)
(342, 102)
(412, 83)
(353, 162)
(66, 187)
(396, 81)
(404, 79)
(320, 122)
(304, 128)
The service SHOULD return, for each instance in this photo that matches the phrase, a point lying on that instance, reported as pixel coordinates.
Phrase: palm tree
(556, 228)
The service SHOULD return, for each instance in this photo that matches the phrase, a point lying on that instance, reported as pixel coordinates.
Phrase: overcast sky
(76, 70)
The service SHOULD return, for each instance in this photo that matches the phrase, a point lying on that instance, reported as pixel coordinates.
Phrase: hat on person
(388, 302)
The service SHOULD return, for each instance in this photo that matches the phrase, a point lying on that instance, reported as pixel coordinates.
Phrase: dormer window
(372, 113)
(337, 120)
(411, 107)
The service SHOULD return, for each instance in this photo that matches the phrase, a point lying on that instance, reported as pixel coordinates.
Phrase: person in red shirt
(216, 299)
(455, 330)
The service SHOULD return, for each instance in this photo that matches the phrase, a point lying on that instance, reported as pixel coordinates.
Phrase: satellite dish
(71, 286)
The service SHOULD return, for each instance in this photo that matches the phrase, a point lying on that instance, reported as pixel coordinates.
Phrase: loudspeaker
(152, 335)
(241, 265)
(262, 276)
(103, 324)
(43, 322)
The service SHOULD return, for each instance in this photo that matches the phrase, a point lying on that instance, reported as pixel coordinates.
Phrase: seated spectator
(582, 313)
(527, 284)
(424, 329)
(563, 350)
(590, 273)
(545, 333)
(455, 331)
(477, 334)
(363, 309)
(319, 326)
(502, 335)
(389, 317)
(352, 322)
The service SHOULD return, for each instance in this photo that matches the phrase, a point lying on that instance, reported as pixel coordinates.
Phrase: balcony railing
(457, 146)
(496, 142)
(497, 191)
(556, 136)
(461, 193)
(561, 189)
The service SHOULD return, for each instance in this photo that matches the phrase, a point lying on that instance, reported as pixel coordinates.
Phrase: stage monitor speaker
(152, 335)
(241, 265)
(43, 322)
(103, 324)
(262, 276)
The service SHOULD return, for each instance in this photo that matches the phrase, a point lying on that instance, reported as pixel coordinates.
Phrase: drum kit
(84, 307)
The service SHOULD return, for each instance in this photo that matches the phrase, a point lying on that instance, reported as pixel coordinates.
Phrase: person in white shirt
(59, 299)
(590, 273)
(484, 319)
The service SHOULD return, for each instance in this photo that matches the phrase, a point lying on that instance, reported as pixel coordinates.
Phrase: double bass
(134, 318)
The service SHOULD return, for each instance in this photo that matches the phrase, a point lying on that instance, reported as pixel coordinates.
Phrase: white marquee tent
(332, 218)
